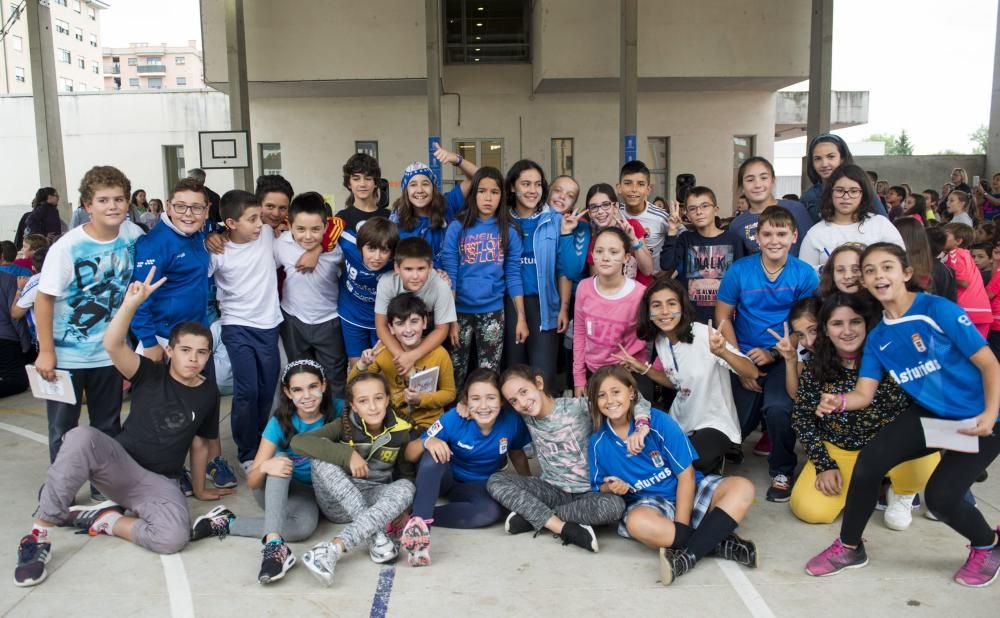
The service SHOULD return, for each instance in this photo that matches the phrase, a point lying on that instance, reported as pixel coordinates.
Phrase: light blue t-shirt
(926, 351)
(474, 457)
(761, 303)
(653, 472)
(301, 470)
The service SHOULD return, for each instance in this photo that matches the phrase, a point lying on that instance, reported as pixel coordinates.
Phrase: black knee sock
(714, 527)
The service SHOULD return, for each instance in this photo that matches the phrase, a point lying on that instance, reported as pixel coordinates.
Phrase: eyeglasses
(841, 192)
(693, 208)
(601, 206)
(195, 209)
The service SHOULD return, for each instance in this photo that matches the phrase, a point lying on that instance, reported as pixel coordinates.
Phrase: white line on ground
(178, 589)
(748, 594)
(24, 433)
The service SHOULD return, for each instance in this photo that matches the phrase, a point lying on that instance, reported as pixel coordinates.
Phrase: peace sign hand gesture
(139, 291)
(569, 221)
(626, 227)
(674, 222)
(785, 346)
(716, 342)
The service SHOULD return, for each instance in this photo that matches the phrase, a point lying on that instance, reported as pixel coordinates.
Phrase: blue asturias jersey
(357, 284)
(474, 456)
(653, 472)
(926, 351)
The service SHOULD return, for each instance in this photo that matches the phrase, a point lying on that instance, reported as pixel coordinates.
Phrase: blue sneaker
(185, 482)
(219, 472)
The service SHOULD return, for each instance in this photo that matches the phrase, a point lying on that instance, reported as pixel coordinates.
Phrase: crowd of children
(383, 359)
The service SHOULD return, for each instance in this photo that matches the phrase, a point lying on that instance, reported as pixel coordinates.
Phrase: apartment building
(142, 66)
(76, 30)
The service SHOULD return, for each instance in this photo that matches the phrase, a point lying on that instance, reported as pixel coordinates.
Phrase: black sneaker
(96, 495)
(674, 563)
(32, 555)
(780, 489)
(738, 550)
(212, 523)
(278, 559)
(735, 454)
(83, 517)
(516, 524)
(580, 535)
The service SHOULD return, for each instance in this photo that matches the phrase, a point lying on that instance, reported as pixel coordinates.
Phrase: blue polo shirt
(474, 456)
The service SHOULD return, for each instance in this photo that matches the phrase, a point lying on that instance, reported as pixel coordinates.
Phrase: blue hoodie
(183, 260)
(480, 271)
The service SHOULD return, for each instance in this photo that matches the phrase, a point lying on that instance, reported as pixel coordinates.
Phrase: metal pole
(629, 81)
(239, 93)
(820, 64)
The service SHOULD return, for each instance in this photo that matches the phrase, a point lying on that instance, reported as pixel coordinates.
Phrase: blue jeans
(774, 406)
(253, 353)
(469, 504)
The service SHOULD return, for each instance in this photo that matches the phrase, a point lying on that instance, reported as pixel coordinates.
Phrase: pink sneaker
(981, 567)
(416, 540)
(835, 559)
(763, 446)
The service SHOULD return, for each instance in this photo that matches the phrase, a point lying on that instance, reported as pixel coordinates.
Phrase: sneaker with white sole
(277, 560)
(212, 523)
(245, 466)
(580, 535)
(321, 561)
(381, 549)
(220, 474)
(516, 524)
(780, 489)
(416, 540)
(85, 517)
(899, 510)
(32, 556)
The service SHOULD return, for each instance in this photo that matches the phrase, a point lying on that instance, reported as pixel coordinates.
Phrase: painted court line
(380, 602)
(178, 589)
(748, 594)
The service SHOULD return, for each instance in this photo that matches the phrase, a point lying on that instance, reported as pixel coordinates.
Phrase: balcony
(151, 69)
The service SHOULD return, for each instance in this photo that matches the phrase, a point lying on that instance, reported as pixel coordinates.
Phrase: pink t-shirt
(994, 288)
(602, 322)
(973, 297)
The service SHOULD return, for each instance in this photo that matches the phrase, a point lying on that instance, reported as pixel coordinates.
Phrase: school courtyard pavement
(477, 572)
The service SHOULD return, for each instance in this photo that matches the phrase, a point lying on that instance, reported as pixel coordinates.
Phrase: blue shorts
(702, 500)
(357, 339)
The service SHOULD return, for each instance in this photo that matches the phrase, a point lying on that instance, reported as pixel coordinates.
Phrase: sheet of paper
(941, 433)
(61, 389)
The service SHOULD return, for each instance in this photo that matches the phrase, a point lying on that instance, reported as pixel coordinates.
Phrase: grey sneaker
(321, 561)
(381, 548)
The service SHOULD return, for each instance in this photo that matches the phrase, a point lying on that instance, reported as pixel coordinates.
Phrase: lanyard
(673, 356)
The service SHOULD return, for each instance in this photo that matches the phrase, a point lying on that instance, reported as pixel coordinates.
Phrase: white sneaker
(898, 512)
(246, 465)
(381, 548)
(321, 561)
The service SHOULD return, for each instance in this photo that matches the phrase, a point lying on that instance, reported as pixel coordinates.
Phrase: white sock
(105, 523)
(40, 532)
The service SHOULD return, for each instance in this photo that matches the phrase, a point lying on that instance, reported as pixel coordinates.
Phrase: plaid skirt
(702, 499)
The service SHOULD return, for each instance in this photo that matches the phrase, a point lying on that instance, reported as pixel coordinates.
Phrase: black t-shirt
(165, 417)
(214, 201)
(700, 263)
(353, 218)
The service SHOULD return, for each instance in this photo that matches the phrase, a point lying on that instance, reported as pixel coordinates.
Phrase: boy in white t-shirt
(247, 285)
(311, 327)
(634, 187)
(81, 285)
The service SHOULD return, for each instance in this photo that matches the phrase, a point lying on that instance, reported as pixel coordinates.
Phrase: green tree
(980, 137)
(894, 144)
(903, 144)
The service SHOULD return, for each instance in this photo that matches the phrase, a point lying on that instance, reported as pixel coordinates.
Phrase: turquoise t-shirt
(301, 470)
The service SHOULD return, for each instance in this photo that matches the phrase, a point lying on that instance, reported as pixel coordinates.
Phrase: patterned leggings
(487, 328)
(537, 501)
(365, 506)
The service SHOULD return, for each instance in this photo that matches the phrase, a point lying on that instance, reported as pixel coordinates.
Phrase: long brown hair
(918, 250)
(406, 216)
(594, 386)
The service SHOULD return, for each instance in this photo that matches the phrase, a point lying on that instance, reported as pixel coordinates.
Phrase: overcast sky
(928, 64)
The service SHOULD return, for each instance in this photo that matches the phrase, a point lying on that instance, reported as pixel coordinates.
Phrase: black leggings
(711, 445)
(540, 350)
(903, 440)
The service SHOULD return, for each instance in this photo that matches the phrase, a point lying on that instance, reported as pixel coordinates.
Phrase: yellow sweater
(431, 405)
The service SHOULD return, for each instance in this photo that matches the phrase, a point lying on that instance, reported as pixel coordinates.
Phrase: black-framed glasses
(195, 209)
(693, 208)
(852, 192)
(601, 206)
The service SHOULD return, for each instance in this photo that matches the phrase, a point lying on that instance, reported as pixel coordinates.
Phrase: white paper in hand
(425, 381)
(941, 433)
(60, 389)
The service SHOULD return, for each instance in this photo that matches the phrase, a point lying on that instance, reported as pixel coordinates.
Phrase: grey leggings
(289, 509)
(365, 506)
(537, 501)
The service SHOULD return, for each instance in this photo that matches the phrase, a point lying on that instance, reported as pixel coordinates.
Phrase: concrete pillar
(432, 9)
(628, 100)
(820, 64)
(45, 93)
(993, 146)
(239, 92)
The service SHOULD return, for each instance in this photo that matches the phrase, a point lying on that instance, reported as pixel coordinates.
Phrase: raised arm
(125, 360)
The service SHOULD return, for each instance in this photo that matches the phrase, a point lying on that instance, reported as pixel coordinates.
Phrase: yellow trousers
(814, 507)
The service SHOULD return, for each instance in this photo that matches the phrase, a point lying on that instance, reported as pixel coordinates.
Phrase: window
(173, 165)
(78, 34)
(562, 156)
(92, 13)
(61, 2)
(369, 147)
(64, 56)
(62, 27)
(77, 6)
(659, 165)
(744, 147)
(478, 32)
(19, 74)
(17, 42)
(154, 60)
(81, 62)
(133, 82)
(95, 67)
(66, 85)
(481, 151)
(179, 60)
(133, 61)
(182, 81)
(155, 82)
(269, 156)
(93, 40)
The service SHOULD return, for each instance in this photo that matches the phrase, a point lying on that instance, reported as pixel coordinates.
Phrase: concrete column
(993, 146)
(239, 93)
(45, 93)
(629, 80)
(432, 9)
(820, 64)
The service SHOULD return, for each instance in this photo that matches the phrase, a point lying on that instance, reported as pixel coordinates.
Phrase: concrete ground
(478, 572)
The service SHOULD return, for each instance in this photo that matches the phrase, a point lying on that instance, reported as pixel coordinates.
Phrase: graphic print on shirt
(480, 248)
(95, 291)
(705, 266)
(563, 447)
